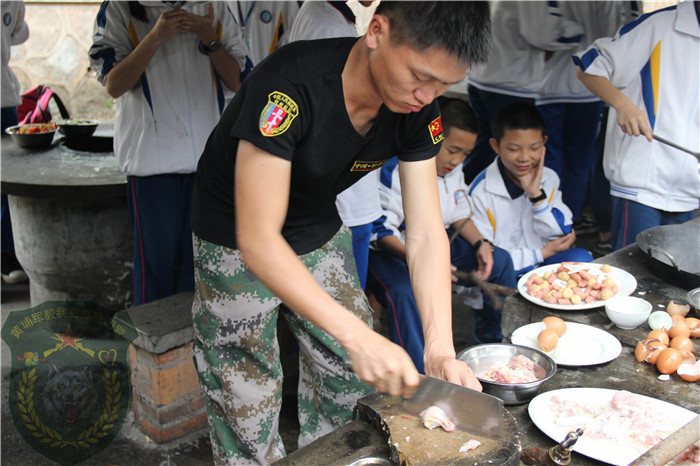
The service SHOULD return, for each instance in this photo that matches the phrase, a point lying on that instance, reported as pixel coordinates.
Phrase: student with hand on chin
(517, 202)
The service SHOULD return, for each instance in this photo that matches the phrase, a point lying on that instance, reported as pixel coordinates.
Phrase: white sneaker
(15, 277)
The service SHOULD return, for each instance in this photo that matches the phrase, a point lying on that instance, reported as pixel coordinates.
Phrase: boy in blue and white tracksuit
(514, 223)
(648, 73)
(536, 229)
(570, 111)
(163, 121)
(388, 274)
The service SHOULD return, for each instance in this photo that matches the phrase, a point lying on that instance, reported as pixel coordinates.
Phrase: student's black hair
(518, 115)
(456, 113)
(138, 11)
(462, 28)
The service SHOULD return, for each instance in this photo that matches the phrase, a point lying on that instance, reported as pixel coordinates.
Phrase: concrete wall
(60, 34)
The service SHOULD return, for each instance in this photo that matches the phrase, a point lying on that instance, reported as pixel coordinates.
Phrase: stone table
(70, 222)
(623, 373)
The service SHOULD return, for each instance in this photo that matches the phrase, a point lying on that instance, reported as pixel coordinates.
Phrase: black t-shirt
(292, 106)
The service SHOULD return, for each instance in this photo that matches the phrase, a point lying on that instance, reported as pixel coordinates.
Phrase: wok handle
(676, 146)
(668, 256)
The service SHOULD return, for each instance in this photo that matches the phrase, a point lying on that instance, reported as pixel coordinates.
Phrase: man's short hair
(518, 115)
(462, 28)
(456, 113)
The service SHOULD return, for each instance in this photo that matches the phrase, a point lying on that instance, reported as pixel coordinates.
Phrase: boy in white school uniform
(516, 200)
(388, 276)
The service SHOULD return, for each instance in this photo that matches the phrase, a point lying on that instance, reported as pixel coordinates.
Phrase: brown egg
(679, 328)
(547, 340)
(681, 343)
(669, 360)
(659, 334)
(675, 318)
(655, 347)
(556, 324)
(694, 326)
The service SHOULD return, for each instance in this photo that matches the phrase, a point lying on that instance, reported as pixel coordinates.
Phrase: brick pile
(167, 399)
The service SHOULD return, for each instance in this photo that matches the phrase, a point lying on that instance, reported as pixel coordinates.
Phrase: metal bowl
(693, 297)
(74, 128)
(482, 357)
(372, 460)
(31, 140)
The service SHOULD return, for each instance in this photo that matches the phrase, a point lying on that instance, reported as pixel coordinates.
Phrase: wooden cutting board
(413, 444)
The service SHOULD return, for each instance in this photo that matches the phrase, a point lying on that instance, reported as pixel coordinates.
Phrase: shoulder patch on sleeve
(278, 114)
(435, 128)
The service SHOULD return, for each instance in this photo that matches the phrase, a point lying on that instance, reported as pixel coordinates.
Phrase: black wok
(673, 253)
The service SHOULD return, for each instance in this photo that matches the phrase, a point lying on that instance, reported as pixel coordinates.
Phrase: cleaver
(471, 411)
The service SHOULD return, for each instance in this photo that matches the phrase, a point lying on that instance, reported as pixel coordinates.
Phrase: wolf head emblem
(69, 394)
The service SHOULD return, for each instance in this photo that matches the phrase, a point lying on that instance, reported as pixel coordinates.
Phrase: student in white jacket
(570, 111)
(469, 250)
(167, 65)
(516, 200)
(648, 74)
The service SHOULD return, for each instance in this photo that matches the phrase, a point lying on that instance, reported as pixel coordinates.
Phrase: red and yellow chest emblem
(278, 114)
(435, 128)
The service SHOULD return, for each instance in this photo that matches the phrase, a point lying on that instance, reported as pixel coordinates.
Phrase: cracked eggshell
(660, 335)
(654, 347)
(677, 309)
(689, 371)
(694, 326)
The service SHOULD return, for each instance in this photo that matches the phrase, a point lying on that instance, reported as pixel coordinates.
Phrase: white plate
(625, 281)
(618, 452)
(581, 345)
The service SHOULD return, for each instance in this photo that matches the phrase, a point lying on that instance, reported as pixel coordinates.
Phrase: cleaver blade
(471, 411)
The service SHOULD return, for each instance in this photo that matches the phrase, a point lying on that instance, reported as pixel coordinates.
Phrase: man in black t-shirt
(308, 122)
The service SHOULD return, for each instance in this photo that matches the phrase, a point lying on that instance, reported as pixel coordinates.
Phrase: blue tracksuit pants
(8, 117)
(571, 133)
(360, 250)
(629, 218)
(160, 208)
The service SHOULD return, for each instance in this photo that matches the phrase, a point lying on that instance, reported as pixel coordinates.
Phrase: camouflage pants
(238, 357)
